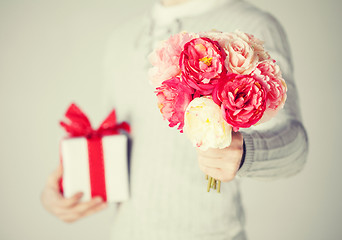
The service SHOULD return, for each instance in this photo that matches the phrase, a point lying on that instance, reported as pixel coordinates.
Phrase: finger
(95, 209)
(55, 176)
(219, 174)
(69, 217)
(212, 172)
(211, 152)
(83, 207)
(211, 162)
(74, 216)
(59, 205)
(76, 208)
(70, 202)
(58, 173)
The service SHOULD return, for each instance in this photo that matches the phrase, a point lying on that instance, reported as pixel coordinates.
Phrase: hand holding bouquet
(211, 83)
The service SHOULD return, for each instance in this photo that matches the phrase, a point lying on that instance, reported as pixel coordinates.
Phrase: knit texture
(168, 190)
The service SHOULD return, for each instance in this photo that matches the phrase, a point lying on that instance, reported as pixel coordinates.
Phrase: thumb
(55, 176)
(58, 173)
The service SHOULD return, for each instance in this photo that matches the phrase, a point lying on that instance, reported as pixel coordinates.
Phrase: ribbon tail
(124, 126)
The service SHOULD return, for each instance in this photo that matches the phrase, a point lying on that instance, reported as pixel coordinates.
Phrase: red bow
(80, 125)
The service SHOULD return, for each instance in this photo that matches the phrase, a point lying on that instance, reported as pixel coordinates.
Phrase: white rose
(205, 126)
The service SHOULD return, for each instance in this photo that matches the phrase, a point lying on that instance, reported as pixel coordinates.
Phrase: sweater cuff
(248, 155)
(243, 154)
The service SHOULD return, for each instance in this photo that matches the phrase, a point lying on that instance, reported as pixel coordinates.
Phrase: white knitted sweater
(168, 190)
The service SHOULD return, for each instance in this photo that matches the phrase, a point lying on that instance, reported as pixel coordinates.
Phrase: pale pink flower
(269, 75)
(255, 43)
(202, 64)
(242, 59)
(165, 58)
(173, 98)
(222, 38)
(269, 68)
(242, 99)
(244, 52)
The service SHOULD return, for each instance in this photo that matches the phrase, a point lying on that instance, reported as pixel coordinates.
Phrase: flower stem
(212, 182)
(219, 186)
(209, 184)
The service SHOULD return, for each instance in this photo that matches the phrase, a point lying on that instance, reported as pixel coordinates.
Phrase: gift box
(95, 161)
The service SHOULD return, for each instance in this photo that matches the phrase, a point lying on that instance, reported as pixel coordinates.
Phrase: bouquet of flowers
(210, 83)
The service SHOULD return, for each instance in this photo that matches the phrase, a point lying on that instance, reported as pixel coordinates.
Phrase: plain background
(51, 53)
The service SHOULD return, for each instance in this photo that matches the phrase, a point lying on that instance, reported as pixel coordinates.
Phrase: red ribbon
(79, 126)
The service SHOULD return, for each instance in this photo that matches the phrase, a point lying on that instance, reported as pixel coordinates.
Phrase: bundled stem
(213, 183)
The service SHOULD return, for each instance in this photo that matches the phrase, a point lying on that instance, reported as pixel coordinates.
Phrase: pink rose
(202, 64)
(244, 52)
(242, 99)
(256, 44)
(269, 75)
(173, 98)
(165, 58)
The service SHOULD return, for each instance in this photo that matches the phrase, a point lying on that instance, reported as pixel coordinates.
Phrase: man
(168, 197)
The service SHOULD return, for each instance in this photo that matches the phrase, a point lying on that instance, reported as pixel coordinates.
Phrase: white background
(51, 53)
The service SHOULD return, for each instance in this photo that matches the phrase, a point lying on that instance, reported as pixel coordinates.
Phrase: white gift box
(76, 170)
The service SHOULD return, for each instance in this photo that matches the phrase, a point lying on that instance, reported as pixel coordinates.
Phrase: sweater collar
(164, 15)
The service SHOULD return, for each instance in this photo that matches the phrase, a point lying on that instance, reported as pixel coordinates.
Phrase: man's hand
(67, 209)
(222, 164)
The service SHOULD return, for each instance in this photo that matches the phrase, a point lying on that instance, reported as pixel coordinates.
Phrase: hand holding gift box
(94, 161)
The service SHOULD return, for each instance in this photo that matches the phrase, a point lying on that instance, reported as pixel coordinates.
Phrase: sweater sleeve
(277, 148)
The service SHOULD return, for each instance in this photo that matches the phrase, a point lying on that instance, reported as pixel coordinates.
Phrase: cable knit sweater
(168, 190)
